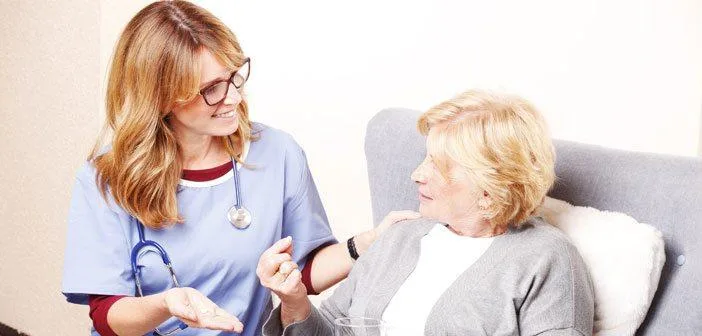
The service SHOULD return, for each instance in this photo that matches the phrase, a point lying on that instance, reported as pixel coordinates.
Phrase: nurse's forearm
(333, 263)
(137, 315)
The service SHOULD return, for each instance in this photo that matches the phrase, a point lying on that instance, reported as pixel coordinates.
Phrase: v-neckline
(399, 272)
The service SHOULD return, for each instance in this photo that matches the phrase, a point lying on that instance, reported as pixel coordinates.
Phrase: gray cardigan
(530, 281)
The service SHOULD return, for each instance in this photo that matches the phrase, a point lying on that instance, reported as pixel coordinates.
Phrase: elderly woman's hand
(281, 275)
(366, 239)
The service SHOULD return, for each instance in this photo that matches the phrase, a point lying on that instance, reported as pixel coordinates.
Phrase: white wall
(49, 99)
(624, 74)
(52, 66)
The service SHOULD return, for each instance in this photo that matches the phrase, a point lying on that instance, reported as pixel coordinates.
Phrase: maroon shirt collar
(209, 174)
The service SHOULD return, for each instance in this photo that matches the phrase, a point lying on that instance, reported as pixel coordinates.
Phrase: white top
(444, 257)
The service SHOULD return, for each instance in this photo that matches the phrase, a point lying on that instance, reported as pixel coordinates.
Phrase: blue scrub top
(208, 253)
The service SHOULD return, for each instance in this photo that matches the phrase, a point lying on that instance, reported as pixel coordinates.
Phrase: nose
(233, 96)
(418, 175)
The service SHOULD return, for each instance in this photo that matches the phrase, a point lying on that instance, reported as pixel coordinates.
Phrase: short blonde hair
(502, 143)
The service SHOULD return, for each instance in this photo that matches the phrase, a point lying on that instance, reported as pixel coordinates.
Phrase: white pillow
(624, 257)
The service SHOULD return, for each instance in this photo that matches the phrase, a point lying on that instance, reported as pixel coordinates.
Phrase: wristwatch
(352, 248)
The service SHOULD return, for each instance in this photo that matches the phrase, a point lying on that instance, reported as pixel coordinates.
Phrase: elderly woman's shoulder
(538, 235)
(414, 225)
(409, 228)
(402, 233)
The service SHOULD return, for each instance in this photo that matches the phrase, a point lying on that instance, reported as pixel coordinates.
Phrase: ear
(485, 201)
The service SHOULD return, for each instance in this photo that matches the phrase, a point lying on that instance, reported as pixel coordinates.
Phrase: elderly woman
(478, 262)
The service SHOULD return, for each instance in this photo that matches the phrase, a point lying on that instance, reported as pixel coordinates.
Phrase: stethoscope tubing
(143, 243)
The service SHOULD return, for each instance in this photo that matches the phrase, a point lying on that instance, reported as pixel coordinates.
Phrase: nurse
(183, 178)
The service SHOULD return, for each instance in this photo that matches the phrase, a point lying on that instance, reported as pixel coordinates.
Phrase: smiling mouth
(424, 197)
(224, 114)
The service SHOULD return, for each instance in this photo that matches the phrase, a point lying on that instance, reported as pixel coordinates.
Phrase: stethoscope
(238, 215)
(136, 272)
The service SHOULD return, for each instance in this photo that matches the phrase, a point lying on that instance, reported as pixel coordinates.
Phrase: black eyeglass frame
(247, 63)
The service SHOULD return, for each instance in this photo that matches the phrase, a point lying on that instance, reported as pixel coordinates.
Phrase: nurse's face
(197, 118)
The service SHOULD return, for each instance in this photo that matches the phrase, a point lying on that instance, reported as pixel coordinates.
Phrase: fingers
(218, 319)
(211, 316)
(291, 289)
(281, 246)
(279, 275)
(179, 305)
(184, 312)
(269, 264)
(286, 282)
(283, 272)
(396, 216)
(292, 283)
(276, 263)
(286, 268)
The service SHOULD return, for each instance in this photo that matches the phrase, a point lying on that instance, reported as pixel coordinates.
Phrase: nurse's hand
(198, 311)
(281, 275)
(394, 217)
(364, 240)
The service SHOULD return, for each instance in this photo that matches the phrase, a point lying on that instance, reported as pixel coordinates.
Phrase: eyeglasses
(217, 91)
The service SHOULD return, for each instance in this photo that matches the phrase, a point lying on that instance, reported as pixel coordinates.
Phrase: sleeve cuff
(314, 324)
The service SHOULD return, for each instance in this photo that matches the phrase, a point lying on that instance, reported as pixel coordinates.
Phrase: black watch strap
(352, 248)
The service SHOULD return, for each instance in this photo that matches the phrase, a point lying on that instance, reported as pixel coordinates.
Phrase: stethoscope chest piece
(239, 217)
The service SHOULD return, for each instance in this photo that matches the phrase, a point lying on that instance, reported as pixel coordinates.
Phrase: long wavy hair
(155, 66)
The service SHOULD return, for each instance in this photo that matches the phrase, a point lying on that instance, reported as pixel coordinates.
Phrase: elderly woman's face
(449, 199)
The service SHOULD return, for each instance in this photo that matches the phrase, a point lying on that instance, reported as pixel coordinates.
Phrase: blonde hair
(155, 66)
(502, 143)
